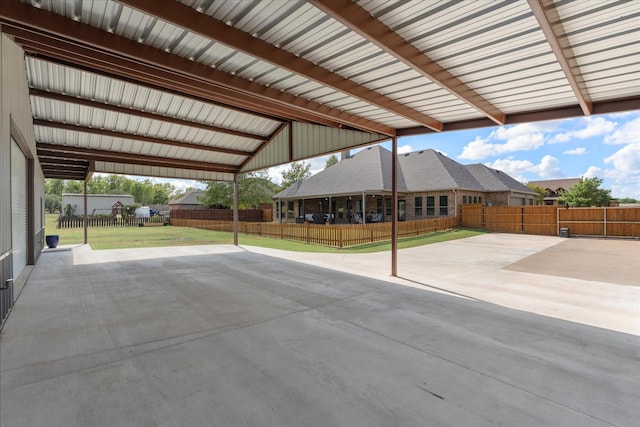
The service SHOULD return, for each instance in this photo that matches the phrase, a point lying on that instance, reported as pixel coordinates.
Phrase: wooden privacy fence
(548, 220)
(78, 222)
(339, 236)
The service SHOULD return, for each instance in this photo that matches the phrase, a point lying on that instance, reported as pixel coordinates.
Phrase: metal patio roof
(204, 89)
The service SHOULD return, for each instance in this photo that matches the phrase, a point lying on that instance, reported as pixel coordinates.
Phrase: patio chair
(318, 218)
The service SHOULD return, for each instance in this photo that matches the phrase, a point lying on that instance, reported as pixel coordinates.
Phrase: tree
(332, 160)
(540, 193)
(586, 193)
(253, 189)
(298, 172)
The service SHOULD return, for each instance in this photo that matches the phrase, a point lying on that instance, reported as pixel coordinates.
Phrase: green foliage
(628, 200)
(298, 172)
(253, 189)
(130, 210)
(587, 193)
(332, 160)
(144, 192)
(539, 191)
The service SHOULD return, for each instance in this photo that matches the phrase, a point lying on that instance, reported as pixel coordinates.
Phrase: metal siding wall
(312, 140)
(275, 153)
(15, 106)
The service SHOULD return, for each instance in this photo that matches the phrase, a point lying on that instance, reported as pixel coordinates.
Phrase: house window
(387, 206)
(464, 199)
(418, 206)
(444, 205)
(475, 199)
(479, 199)
(340, 208)
(431, 206)
(290, 207)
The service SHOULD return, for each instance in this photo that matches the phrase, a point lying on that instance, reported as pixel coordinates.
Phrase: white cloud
(405, 149)
(576, 151)
(626, 163)
(548, 168)
(593, 127)
(522, 137)
(594, 172)
(628, 133)
(317, 165)
(482, 148)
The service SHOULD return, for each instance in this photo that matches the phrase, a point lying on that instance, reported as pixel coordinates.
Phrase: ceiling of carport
(204, 89)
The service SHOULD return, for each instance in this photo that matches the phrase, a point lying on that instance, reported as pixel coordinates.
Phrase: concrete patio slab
(219, 335)
(591, 281)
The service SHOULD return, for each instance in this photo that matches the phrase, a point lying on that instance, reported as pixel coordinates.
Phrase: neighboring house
(191, 200)
(429, 185)
(553, 189)
(97, 204)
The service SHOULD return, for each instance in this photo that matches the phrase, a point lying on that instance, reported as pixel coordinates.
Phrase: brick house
(430, 185)
(553, 189)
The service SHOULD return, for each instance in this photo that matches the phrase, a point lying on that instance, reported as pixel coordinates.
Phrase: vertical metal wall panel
(276, 152)
(311, 140)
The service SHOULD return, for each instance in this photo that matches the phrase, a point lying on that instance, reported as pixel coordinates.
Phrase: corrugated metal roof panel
(51, 77)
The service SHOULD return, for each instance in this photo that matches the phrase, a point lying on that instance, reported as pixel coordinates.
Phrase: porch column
(364, 207)
(394, 207)
(235, 209)
(86, 220)
(330, 209)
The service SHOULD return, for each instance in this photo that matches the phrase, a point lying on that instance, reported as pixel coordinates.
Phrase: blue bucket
(52, 240)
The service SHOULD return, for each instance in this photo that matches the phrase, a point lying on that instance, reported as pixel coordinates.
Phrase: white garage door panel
(18, 208)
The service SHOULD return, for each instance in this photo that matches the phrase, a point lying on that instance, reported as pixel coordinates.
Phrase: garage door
(18, 208)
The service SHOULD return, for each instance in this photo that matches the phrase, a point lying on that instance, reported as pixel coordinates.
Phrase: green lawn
(144, 237)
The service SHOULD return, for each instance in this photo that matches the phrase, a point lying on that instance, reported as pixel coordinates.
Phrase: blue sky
(603, 146)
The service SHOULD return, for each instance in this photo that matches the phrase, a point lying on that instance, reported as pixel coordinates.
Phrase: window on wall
(464, 199)
(475, 199)
(290, 207)
(444, 205)
(479, 199)
(418, 206)
(340, 204)
(387, 206)
(431, 206)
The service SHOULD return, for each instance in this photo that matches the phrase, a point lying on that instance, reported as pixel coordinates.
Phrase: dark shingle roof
(369, 171)
(191, 198)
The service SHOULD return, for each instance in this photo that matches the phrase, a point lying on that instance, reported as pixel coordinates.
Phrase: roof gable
(367, 170)
(191, 198)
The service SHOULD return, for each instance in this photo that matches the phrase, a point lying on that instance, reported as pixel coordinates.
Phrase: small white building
(97, 204)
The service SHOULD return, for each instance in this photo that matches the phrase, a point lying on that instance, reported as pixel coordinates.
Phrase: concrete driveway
(225, 336)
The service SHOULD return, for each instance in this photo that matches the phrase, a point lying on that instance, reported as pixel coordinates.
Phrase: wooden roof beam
(359, 20)
(78, 37)
(551, 25)
(214, 29)
(82, 153)
(142, 138)
(139, 113)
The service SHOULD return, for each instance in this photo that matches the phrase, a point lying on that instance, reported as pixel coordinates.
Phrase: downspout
(235, 209)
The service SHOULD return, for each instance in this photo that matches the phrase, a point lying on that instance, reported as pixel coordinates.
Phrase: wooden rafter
(135, 137)
(77, 41)
(145, 114)
(214, 29)
(551, 25)
(359, 20)
(71, 152)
